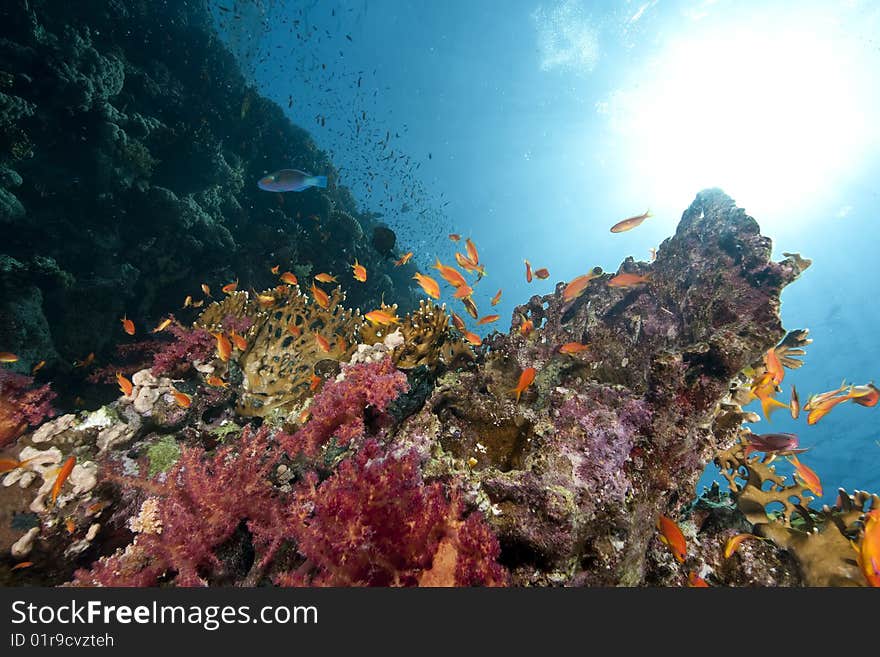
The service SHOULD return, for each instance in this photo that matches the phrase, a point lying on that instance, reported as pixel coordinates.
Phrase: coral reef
(128, 178)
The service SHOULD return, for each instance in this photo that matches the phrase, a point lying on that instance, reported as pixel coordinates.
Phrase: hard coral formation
(820, 541)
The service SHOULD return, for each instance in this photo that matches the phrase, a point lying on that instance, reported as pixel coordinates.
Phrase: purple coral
(375, 522)
(202, 502)
(338, 410)
(601, 426)
(21, 405)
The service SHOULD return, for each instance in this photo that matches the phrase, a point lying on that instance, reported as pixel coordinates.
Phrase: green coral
(162, 455)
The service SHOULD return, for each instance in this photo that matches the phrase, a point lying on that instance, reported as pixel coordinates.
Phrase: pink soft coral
(375, 522)
(21, 405)
(338, 410)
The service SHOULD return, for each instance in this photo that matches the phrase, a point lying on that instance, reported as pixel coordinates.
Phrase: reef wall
(130, 147)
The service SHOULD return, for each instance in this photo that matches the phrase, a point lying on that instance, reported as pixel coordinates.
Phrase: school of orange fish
(765, 385)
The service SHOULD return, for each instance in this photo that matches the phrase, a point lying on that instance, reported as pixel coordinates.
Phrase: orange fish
(88, 360)
(321, 297)
(496, 298)
(774, 366)
(573, 348)
(239, 342)
(473, 338)
(820, 410)
(764, 389)
(429, 285)
(325, 278)
(63, 474)
(472, 251)
(469, 265)
(38, 367)
(525, 380)
(458, 322)
(315, 382)
(322, 343)
(127, 325)
(795, 405)
(289, 278)
(382, 317)
(403, 259)
(70, 525)
(629, 280)
(7, 465)
(867, 395)
(454, 237)
(577, 285)
(124, 384)
(304, 415)
(528, 272)
(206, 289)
(526, 326)
(360, 273)
(868, 548)
(164, 324)
(224, 346)
(805, 476)
(216, 381)
(23, 564)
(450, 274)
(183, 400)
(198, 304)
(188, 301)
(294, 330)
(733, 544)
(632, 222)
(696, 582)
(542, 273)
(463, 291)
(229, 288)
(470, 306)
(265, 300)
(671, 536)
(275, 269)
(341, 344)
(488, 319)
(6, 357)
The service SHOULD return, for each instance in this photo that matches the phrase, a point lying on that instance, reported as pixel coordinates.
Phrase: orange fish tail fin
(768, 405)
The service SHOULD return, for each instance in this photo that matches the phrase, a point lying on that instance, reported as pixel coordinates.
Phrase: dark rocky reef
(130, 147)
(574, 477)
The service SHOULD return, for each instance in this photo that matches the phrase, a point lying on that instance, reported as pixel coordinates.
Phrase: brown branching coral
(427, 340)
(820, 541)
(238, 305)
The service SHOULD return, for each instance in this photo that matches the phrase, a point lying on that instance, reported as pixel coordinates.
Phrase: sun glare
(773, 117)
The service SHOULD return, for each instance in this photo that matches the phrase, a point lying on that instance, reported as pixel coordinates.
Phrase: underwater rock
(576, 474)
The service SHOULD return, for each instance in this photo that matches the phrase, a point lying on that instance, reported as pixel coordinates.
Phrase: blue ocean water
(532, 126)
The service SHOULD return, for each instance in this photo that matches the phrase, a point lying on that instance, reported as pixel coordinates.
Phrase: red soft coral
(338, 410)
(375, 522)
(21, 405)
(202, 503)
